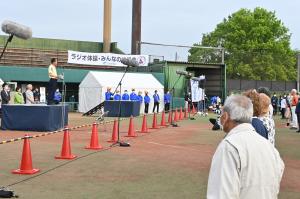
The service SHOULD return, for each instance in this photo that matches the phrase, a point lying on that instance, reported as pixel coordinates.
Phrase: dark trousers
(51, 90)
(282, 113)
(146, 107)
(298, 118)
(274, 109)
(167, 107)
(156, 105)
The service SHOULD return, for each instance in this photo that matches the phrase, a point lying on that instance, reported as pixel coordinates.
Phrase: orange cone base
(66, 157)
(26, 172)
(130, 136)
(94, 148)
(155, 128)
(147, 131)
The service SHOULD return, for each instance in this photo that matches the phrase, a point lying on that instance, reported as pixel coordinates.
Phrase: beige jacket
(245, 165)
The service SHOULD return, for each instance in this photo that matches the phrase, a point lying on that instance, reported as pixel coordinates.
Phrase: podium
(128, 108)
(36, 117)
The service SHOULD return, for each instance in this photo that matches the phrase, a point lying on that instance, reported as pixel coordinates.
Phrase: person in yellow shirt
(53, 81)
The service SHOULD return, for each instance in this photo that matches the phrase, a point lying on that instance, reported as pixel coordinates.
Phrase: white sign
(197, 93)
(104, 59)
(42, 94)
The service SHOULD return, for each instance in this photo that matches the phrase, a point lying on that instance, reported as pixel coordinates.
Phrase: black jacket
(5, 97)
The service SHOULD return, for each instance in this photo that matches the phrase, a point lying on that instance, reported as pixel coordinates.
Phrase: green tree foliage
(257, 46)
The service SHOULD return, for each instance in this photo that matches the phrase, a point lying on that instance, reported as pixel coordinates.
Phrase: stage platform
(36, 117)
(128, 108)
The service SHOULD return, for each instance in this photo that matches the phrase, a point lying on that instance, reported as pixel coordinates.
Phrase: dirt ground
(164, 163)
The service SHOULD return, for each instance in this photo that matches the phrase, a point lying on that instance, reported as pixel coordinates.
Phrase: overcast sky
(163, 21)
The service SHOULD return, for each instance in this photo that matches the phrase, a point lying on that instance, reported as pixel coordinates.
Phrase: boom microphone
(184, 73)
(200, 78)
(15, 29)
(129, 62)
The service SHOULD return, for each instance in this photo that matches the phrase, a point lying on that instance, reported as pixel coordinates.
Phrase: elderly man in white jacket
(245, 165)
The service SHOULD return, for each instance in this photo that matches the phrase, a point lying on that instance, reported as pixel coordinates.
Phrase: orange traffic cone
(180, 114)
(114, 136)
(185, 114)
(144, 125)
(94, 143)
(66, 147)
(131, 131)
(176, 116)
(170, 119)
(163, 119)
(26, 162)
(154, 122)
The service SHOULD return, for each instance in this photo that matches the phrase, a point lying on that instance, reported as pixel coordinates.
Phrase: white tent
(93, 87)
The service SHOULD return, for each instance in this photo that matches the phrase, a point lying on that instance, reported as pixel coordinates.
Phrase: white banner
(104, 59)
(197, 93)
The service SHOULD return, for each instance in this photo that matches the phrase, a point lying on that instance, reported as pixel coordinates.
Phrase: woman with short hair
(18, 98)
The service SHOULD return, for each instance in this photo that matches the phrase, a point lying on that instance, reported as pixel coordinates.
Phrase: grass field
(165, 163)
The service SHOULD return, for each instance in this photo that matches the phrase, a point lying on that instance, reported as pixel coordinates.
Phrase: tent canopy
(93, 87)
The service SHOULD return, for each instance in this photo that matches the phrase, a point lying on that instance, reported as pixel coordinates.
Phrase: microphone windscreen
(16, 29)
(129, 62)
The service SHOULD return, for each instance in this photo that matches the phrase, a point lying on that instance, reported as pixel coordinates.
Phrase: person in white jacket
(245, 165)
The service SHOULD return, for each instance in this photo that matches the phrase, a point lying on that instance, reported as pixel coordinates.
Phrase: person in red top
(294, 102)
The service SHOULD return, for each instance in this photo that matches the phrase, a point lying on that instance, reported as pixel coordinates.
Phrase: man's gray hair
(239, 108)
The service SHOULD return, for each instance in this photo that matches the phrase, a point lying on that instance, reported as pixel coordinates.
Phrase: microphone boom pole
(6, 44)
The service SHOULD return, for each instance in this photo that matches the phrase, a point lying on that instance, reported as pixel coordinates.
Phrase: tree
(257, 46)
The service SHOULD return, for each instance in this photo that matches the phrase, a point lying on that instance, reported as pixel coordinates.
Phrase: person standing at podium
(146, 101)
(52, 81)
(108, 94)
(117, 96)
(125, 96)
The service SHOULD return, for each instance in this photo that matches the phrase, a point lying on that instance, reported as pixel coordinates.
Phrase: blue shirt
(147, 99)
(117, 97)
(57, 96)
(133, 97)
(259, 127)
(140, 98)
(125, 96)
(108, 95)
(156, 98)
(167, 98)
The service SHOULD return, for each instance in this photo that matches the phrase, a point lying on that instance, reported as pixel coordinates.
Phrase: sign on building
(104, 59)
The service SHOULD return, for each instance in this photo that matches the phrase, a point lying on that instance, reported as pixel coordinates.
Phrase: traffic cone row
(26, 166)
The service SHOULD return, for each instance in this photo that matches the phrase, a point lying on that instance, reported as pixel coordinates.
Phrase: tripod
(122, 144)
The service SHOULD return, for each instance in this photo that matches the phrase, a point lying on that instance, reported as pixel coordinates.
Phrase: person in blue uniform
(108, 94)
(140, 97)
(133, 96)
(156, 101)
(125, 96)
(117, 96)
(167, 101)
(146, 101)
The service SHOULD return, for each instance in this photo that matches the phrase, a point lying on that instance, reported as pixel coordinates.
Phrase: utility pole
(136, 27)
(107, 26)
